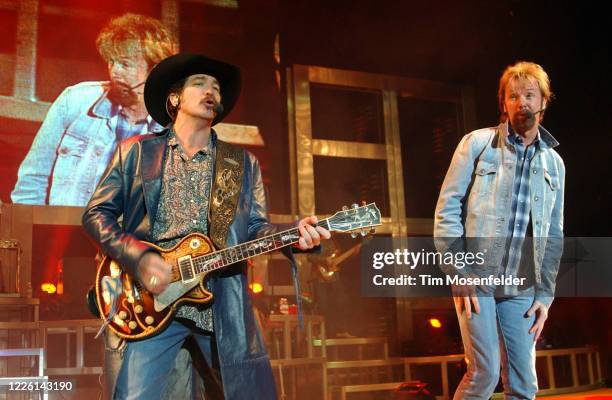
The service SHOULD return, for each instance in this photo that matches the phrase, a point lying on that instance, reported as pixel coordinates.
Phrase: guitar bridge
(186, 269)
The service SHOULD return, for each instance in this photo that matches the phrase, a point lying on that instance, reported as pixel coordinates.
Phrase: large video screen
(71, 87)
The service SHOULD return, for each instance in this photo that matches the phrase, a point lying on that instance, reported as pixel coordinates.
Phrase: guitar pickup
(185, 266)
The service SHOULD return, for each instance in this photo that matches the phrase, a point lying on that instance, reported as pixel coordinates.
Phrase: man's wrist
(544, 299)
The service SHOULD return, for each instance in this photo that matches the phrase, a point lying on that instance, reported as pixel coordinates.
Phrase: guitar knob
(132, 325)
(122, 315)
(363, 233)
(344, 208)
(194, 244)
(372, 231)
(355, 205)
(138, 309)
(149, 320)
(354, 234)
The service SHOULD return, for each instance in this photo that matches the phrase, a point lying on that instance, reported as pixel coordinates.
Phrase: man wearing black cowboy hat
(165, 187)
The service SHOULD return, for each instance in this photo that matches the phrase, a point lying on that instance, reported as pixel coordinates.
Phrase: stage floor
(598, 394)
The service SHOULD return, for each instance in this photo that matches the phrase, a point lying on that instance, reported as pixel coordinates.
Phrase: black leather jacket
(130, 188)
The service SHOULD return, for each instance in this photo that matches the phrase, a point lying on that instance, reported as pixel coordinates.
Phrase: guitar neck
(219, 259)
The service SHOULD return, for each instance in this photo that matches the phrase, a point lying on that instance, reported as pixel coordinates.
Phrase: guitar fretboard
(219, 259)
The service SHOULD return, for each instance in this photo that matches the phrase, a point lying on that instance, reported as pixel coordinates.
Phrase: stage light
(256, 287)
(48, 288)
(435, 323)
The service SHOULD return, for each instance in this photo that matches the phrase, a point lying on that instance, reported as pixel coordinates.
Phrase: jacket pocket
(72, 145)
(552, 181)
(551, 188)
(69, 165)
(484, 175)
(485, 168)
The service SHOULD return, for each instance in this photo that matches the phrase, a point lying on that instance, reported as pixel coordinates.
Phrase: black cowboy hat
(181, 66)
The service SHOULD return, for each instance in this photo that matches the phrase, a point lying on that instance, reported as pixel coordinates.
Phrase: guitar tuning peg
(344, 208)
(354, 234)
(354, 205)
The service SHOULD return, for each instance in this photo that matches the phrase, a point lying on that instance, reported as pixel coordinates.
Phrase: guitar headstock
(357, 218)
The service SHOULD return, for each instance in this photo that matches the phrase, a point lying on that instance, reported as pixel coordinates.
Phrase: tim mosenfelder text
(459, 260)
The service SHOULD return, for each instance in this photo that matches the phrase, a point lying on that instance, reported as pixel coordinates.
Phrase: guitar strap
(229, 169)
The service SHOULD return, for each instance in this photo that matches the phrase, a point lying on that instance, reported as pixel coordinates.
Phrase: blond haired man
(506, 184)
(81, 132)
(84, 124)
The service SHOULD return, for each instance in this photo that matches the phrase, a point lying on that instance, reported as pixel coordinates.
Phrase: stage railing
(335, 344)
(292, 367)
(361, 369)
(593, 364)
(443, 361)
(584, 362)
(79, 328)
(22, 382)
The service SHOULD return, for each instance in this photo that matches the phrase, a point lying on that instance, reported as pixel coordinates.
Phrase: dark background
(471, 42)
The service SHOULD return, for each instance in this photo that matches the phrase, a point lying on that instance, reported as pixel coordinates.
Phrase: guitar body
(137, 313)
(133, 313)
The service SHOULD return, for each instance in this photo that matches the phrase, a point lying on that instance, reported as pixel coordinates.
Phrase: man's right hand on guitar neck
(155, 273)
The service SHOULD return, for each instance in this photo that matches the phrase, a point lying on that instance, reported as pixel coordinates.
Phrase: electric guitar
(130, 311)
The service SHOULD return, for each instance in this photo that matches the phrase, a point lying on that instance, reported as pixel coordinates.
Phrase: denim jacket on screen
(475, 200)
(72, 148)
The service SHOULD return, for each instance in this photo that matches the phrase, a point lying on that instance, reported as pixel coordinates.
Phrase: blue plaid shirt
(516, 261)
(125, 130)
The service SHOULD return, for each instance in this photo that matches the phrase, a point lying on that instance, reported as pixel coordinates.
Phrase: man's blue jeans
(499, 335)
(146, 363)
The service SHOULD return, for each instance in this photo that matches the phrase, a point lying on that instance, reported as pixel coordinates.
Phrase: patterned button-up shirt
(183, 208)
(518, 258)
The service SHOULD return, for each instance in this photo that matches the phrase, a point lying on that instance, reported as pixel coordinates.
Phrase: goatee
(523, 122)
(122, 94)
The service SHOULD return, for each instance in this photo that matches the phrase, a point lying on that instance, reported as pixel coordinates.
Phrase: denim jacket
(72, 148)
(475, 200)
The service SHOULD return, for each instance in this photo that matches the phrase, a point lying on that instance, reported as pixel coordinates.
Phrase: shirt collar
(515, 138)
(105, 108)
(546, 140)
(118, 110)
(174, 143)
